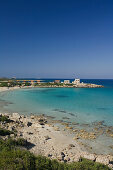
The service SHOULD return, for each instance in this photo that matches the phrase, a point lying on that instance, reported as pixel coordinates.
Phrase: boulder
(42, 120)
(11, 128)
(29, 124)
(49, 155)
(16, 116)
(67, 159)
(90, 156)
(71, 145)
(20, 134)
(32, 116)
(47, 138)
(76, 158)
(62, 153)
(30, 133)
(110, 159)
(102, 159)
(110, 166)
(12, 135)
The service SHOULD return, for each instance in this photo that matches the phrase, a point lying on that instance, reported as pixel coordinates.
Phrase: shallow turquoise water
(81, 105)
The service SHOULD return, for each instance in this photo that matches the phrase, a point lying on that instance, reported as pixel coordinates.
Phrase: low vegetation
(4, 119)
(12, 157)
(4, 132)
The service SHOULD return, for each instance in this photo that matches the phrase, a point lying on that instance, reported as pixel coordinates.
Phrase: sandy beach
(8, 88)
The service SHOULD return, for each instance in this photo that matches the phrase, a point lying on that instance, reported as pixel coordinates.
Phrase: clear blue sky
(56, 38)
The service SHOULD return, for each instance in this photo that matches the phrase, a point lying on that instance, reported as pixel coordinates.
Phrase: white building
(76, 81)
(66, 81)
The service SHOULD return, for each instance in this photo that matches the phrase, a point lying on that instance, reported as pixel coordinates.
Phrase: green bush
(11, 158)
(4, 84)
(4, 119)
(4, 132)
(17, 159)
(43, 163)
(21, 142)
(12, 143)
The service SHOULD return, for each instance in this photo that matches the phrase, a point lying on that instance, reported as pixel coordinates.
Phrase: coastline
(2, 89)
(48, 140)
(45, 138)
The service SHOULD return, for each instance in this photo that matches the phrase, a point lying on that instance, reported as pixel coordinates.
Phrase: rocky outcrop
(50, 141)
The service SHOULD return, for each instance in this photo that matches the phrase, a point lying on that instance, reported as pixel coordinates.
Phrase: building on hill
(57, 81)
(76, 81)
(66, 81)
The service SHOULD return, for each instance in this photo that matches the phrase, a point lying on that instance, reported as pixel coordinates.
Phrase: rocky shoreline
(48, 140)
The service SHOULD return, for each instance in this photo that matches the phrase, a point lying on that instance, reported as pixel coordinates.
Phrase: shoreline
(50, 141)
(52, 86)
(46, 137)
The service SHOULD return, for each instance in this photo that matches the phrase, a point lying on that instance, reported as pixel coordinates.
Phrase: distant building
(57, 81)
(76, 81)
(38, 81)
(66, 81)
(32, 82)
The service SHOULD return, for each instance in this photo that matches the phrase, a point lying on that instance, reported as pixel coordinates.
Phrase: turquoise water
(82, 105)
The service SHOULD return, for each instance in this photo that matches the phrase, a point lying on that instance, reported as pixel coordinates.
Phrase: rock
(111, 159)
(41, 123)
(110, 166)
(75, 130)
(20, 134)
(47, 138)
(111, 135)
(71, 145)
(62, 153)
(6, 137)
(76, 158)
(67, 159)
(22, 125)
(12, 135)
(32, 117)
(68, 127)
(76, 137)
(102, 159)
(16, 116)
(49, 155)
(30, 133)
(29, 124)
(56, 128)
(90, 156)
(60, 158)
(42, 120)
(10, 128)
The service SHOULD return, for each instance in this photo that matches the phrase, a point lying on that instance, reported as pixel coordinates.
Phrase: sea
(73, 105)
(83, 105)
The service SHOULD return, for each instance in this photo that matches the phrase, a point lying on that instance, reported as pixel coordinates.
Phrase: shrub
(21, 142)
(4, 119)
(17, 159)
(12, 158)
(4, 132)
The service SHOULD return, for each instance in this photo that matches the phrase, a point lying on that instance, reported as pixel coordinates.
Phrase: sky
(56, 38)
